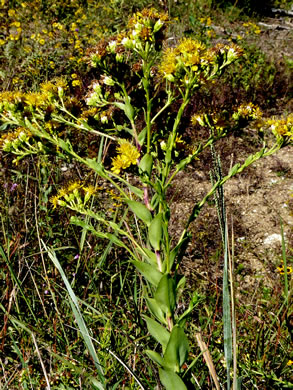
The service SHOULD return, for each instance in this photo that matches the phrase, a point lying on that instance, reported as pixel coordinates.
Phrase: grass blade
(227, 312)
(77, 313)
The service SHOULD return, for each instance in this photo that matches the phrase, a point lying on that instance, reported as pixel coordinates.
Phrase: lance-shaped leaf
(178, 251)
(171, 381)
(158, 332)
(150, 256)
(165, 294)
(151, 274)
(146, 164)
(140, 210)
(156, 310)
(95, 165)
(155, 356)
(177, 349)
(129, 110)
(156, 231)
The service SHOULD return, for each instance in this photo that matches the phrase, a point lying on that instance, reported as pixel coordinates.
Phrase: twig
(207, 356)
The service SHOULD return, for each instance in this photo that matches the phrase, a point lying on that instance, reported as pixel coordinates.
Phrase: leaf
(129, 111)
(96, 166)
(142, 135)
(170, 380)
(157, 331)
(165, 294)
(77, 313)
(146, 164)
(140, 210)
(150, 256)
(234, 169)
(156, 231)
(157, 358)
(155, 310)
(180, 285)
(151, 274)
(179, 251)
(227, 324)
(137, 191)
(177, 349)
(196, 299)
(64, 145)
(120, 105)
(109, 236)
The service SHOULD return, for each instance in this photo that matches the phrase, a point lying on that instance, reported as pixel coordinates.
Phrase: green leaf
(157, 331)
(156, 231)
(150, 256)
(170, 380)
(146, 164)
(179, 248)
(151, 274)
(142, 135)
(227, 324)
(157, 358)
(180, 285)
(196, 299)
(140, 210)
(177, 349)
(137, 191)
(165, 294)
(234, 170)
(94, 165)
(155, 310)
(77, 313)
(120, 105)
(64, 145)
(129, 111)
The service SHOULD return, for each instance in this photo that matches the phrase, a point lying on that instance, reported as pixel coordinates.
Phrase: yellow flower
(118, 163)
(290, 362)
(76, 83)
(11, 12)
(282, 270)
(128, 154)
(73, 186)
(54, 200)
(129, 151)
(89, 189)
(42, 42)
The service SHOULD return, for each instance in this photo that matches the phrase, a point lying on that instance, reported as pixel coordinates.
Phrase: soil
(256, 200)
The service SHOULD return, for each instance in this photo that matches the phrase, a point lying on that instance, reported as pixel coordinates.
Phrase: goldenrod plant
(138, 80)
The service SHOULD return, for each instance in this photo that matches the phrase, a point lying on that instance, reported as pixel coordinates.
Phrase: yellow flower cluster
(52, 86)
(282, 127)
(127, 155)
(145, 28)
(71, 195)
(247, 111)
(11, 141)
(145, 24)
(254, 28)
(191, 63)
(282, 270)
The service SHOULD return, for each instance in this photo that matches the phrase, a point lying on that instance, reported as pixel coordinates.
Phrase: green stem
(172, 138)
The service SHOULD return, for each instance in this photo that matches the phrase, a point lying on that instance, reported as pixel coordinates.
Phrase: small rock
(273, 239)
